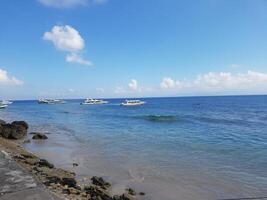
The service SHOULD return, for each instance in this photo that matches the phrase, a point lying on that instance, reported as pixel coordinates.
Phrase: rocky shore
(60, 182)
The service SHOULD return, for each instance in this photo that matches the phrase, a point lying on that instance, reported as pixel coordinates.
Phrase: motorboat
(90, 101)
(132, 103)
(5, 102)
(50, 101)
(3, 106)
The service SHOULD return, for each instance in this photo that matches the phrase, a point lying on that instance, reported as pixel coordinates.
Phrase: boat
(90, 101)
(3, 106)
(5, 102)
(132, 103)
(50, 101)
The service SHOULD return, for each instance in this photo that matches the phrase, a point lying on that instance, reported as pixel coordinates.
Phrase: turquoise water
(171, 148)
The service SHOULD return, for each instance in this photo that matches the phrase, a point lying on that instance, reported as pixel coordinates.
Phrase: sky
(130, 48)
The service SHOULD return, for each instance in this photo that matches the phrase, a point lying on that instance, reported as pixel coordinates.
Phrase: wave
(160, 118)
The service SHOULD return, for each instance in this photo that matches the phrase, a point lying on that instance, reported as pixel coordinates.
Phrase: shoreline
(60, 182)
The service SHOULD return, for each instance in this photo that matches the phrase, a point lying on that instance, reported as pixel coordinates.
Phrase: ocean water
(188, 148)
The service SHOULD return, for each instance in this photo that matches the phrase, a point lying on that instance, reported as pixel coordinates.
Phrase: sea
(179, 148)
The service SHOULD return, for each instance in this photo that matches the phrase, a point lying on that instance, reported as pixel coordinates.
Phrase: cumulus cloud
(70, 3)
(133, 85)
(7, 80)
(167, 83)
(250, 81)
(66, 38)
(74, 58)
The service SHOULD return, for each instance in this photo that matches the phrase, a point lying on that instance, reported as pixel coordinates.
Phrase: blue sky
(129, 48)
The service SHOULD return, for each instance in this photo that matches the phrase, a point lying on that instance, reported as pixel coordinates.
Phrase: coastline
(61, 183)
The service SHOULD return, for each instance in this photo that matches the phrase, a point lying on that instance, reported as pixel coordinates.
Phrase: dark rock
(99, 181)
(130, 191)
(21, 123)
(97, 193)
(142, 193)
(39, 136)
(71, 182)
(74, 164)
(13, 131)
(123, 197)
(45, 163)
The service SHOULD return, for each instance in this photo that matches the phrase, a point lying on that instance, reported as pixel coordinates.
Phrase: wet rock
(20, 123)
(130, 191)
(71, 182)
(39, 136)
(96, 192)
(123, 197)
(45, 163)
(13, 131)
(99, 181)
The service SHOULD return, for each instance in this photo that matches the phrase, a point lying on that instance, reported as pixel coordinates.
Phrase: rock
(99, 181)
(21, 123)
(97, 193)
(123, 197)
(39, 136)
(142, 193)
(130, 191)
(13, 131)
(71, 182)
(75, 165)
(45, 163)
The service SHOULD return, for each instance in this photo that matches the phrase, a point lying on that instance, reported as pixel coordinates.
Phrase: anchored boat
(90, 101)
(132, 103)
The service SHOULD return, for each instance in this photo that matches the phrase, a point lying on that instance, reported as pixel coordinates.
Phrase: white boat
(5, 102)
(50, 101)
(132, 103)
(90, 101)
(3, 106)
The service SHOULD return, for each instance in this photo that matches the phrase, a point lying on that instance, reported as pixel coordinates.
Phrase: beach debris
(39, 136)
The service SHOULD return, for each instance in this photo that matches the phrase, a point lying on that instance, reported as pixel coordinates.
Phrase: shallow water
(171, 148)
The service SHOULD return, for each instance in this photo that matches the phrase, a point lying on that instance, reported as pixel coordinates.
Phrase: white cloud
(167, 83)
(66, 38)
(74, 58)
(133, 85)
(7, 80)
(63, 3)
(250, 81)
